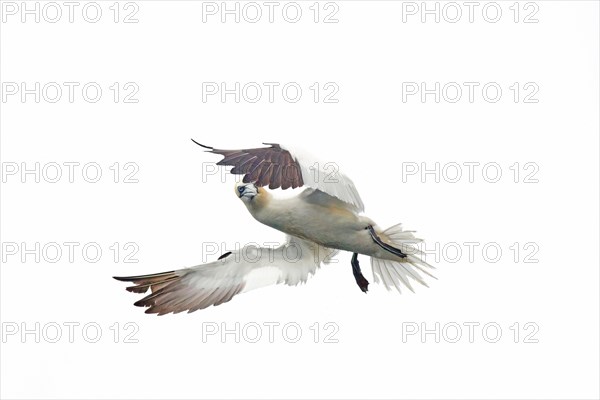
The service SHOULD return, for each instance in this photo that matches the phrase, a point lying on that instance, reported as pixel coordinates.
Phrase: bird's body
(320, 221)
(318, 218)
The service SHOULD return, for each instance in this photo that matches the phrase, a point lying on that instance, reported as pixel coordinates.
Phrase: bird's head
(246, 191)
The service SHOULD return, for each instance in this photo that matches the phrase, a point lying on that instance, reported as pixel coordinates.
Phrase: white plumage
(327, 177)
(320, 221)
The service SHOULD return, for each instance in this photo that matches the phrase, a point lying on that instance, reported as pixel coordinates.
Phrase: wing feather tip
(273, 145)
(136, 289)
(201, 145)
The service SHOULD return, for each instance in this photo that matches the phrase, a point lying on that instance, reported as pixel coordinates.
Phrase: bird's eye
(241, 189)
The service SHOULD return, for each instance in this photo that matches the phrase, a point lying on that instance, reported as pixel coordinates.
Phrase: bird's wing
(279, 167)
(315, 196)
(250, 267)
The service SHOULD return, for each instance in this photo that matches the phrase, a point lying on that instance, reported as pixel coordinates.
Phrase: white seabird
(321, 220)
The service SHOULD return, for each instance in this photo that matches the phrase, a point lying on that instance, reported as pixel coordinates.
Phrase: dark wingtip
(201, 145)
(121, 278)
(275, 145)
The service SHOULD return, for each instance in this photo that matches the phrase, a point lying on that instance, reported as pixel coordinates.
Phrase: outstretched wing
(279, 167)
(215, 283)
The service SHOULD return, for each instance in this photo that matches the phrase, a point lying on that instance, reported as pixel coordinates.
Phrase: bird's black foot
(383, 245)
(361, 281)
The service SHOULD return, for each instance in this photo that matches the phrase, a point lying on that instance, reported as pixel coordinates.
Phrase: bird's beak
(246, 191)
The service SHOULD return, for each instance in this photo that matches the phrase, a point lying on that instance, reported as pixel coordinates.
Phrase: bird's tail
(394, 273)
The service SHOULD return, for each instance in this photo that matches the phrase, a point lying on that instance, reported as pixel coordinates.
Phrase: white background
(369, 133)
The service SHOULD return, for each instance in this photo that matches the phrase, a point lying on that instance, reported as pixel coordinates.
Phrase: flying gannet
(320, 221)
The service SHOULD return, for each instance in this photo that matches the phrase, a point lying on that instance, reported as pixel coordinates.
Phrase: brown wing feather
(144, 282)
(265, 177)
(266, 166)
(172, 293)
(276, 178)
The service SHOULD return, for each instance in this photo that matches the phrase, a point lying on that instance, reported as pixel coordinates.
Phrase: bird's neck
(259, 202)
